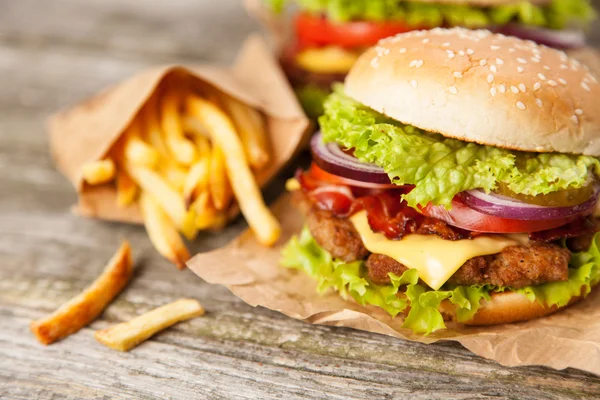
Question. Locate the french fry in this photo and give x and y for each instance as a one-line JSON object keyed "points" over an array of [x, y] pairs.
{"points": [[98, 172], [127, 335], [203, 145], [137, 152], [251, 128], [220, 188], [174, 174], [189, 228], [247, 192], [85, 307], [204, 212], [196, 180], [127, 190], [292, 185], [162, 232], [153, 129], [154, 185], [195, 127], [179, 146]]}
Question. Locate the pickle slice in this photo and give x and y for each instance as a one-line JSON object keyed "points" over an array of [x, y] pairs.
{"points": [[563, 198]]}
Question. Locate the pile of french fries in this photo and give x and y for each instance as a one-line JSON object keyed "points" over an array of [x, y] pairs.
{"points": [[187, 159]]}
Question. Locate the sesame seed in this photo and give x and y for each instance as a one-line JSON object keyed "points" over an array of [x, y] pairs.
{"points": [[541, 76], [490, 78], [514, 89], [576, 63], [593, 78], [451, 55], [575, 119], [563, 81], [375, 62], [564, 66], [537, 86], [563, 56], [403, 50], [502, 89], [521, 106], [425, 40], [494, 47], [414, 83], [547, 68], [453, 90], [493, 91], [483, 63], [520, 69], [579, 111], [522, 88], [470, 52], [539, 103], [458, 74], [419, 64], [499, 61], [446, 44], [552, 83], [511, 50], [493, 68], [585, 86], [461, 53], [522, 60]]}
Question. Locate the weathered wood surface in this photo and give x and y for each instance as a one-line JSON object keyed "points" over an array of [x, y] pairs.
{"points": [[54, 53]]}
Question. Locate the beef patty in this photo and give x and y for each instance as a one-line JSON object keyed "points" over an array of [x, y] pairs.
{"points": [[515, 266]]}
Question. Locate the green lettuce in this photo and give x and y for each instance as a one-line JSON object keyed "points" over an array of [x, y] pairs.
{"points": [[555, 15], [441, 167], [311, 98], [350, 280]]}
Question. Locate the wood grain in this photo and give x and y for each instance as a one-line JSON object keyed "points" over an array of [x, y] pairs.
{"points": [[53, 54]]}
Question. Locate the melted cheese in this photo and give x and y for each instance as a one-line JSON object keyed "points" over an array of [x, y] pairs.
{"points": [[436, 259], [327, 60]]}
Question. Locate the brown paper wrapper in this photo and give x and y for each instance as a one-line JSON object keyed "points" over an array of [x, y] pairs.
{"points": [[87, 132], [569, 338]]}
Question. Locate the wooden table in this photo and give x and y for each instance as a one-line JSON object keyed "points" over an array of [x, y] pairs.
{"points": [[55, 53]]}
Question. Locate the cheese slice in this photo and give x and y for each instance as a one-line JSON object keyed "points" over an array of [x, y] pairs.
{"points": [[327, 60], [436, 259]]}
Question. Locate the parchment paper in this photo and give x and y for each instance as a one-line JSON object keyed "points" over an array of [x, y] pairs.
{"points": [[569, 338], [87, 131]]}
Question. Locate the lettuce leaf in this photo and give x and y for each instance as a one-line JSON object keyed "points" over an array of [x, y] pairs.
{"points": [[555, 15], [441, 167], [350, 280], [311, 98]]}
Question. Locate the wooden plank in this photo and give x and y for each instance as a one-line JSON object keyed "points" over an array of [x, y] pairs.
{"points": [[69, 49]]}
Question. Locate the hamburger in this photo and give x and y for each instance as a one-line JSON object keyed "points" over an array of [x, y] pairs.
{"points": [[330, 35], [455, 178]]}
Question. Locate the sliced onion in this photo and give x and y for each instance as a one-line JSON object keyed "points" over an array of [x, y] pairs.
{"points": [[331, 158], [563, 39], [505, 207]]}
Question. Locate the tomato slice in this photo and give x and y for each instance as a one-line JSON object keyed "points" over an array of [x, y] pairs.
{"points": [[462, 216], [316, 31], [322, 175]]}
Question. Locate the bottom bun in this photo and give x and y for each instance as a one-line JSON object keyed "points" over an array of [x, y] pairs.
{"points": [[504, 308]]}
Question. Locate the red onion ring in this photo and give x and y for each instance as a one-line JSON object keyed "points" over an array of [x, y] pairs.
{"points": [[562, 39], [331, 158], [505, 207]]}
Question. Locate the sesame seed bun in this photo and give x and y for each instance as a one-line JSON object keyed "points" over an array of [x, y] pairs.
{"points": [[505, 308], [482, 87]]}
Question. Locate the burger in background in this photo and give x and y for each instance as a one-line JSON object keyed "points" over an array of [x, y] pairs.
{"points": [[455, 178], [329, 35]]}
